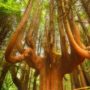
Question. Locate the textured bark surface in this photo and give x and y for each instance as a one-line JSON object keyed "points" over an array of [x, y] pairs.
{"points": [[51, 78]]}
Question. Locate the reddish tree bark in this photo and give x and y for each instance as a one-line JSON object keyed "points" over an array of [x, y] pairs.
{"points": [[52, 66]]}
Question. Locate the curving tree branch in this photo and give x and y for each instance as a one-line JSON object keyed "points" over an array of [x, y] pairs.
{"points": [[82, 52], [14, 38]]}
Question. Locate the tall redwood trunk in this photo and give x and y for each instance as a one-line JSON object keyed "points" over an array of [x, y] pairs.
{"points": [[51, 78]]}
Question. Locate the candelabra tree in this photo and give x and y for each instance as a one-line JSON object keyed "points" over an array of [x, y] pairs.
{"points": [[51, 66]]}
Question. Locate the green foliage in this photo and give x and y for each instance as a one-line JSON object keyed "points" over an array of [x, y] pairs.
{"points": [[12, 6], [8, 83]]}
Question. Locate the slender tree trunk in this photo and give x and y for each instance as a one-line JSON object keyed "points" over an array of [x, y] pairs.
{"points": [[86, 74], [35, 79], [85, 30], [82, 78], [76, 79], [5, 26], [86, 7], [16, 81], [4, 72], [72, 82]]}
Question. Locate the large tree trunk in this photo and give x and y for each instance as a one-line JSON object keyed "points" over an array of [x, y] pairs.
{"points": [[51, 78]]}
